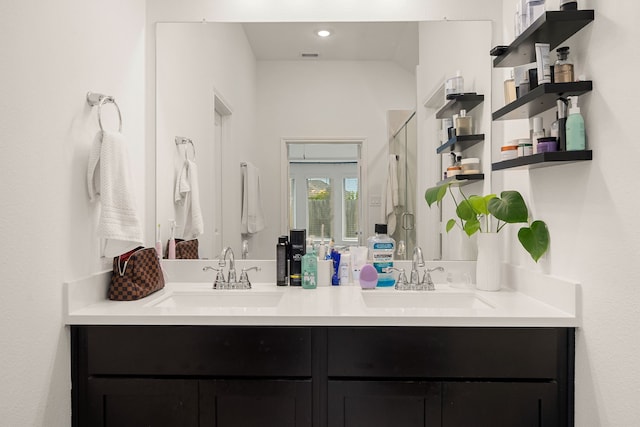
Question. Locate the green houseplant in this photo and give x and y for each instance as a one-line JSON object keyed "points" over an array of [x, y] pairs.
{"points": [[473, 214]]}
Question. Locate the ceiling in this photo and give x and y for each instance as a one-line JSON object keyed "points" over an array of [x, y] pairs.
{"points": [[360, 41]]}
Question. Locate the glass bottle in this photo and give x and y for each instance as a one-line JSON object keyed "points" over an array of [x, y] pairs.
{"points": [[563, 68], [464, 124], [509, 89]]}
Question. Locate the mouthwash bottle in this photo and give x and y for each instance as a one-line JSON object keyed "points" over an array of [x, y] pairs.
{"points": [[381, 250]]}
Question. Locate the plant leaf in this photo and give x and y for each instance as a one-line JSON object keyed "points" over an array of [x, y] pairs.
{"points": [[450, 224], [479, 203], [465, 211], [435, 194], [510, 207], [471, 226], [535, 239]]}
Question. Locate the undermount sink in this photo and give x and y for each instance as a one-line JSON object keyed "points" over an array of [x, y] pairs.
{"points": [[220, 298], [424, 299]]}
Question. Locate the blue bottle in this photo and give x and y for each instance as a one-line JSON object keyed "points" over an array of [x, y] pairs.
{"points": [[381, 250]]}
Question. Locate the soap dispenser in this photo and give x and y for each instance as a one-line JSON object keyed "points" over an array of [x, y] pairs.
{"points": [[575, 127], [558, 128]]}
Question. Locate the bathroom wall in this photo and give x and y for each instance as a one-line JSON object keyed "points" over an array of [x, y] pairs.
{"points": [[590, 210], [52, 54], [446, 47]]}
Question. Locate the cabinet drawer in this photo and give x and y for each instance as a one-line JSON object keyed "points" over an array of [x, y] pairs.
{"points": [[198, 351], [511, 353]]}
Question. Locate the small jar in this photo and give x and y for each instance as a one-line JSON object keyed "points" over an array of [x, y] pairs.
{"points": [[547, 144], [509, 152], [453, 171], [525, 147], [470, 165]]}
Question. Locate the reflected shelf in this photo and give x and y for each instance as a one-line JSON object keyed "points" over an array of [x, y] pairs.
{"points": [[462, 142], [462, 179]]}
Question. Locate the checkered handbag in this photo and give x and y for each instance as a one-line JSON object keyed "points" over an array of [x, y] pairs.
{"points": [[136, 274], [187, 249]]}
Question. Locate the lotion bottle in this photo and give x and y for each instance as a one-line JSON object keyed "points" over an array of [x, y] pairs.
{"points": [[575, 127]]}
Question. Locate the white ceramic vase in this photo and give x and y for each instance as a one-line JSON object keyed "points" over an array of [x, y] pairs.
{"points": [[489, 264]]}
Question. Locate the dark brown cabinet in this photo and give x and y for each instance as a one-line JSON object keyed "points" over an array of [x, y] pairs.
{"points": [[384, 403], [321, 376], [255, 403], [134, 402]]}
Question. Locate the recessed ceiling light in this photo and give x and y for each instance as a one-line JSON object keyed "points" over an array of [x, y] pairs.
{"points": [[323, 33]]}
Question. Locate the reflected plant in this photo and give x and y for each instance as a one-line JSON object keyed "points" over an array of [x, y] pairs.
{"points": [[510, 208]]}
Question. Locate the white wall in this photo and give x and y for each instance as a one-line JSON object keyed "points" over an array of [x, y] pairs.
{"points": [[324, 100], [446, 47], [195, 61], [590, 210], [52, 54]]}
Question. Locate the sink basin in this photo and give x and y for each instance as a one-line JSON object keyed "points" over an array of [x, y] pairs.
{"points": [[219, 299], [424, 299]]}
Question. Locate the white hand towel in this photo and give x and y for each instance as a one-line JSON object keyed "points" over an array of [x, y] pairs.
{"points": [[109, 180], [391, 196], [252, 218], [187, 200]]}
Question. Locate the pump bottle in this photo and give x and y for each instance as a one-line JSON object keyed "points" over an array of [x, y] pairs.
{"points": [[575, 127]]}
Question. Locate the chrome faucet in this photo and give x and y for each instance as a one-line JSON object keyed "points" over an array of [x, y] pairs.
{"points": [[222, 262], [427, 278], [418, 262]]}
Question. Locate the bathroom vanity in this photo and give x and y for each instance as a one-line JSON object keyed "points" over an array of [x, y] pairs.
{"points": [[321, 376], [328, 357]]}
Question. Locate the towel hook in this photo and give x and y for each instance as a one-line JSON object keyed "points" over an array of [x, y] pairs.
{"points": [[99, 99], [181, 140]]}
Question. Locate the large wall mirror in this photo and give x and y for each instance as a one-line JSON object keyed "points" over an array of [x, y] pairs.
{"points": [[241, 92]]}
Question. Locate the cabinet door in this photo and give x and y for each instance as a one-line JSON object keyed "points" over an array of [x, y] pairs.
{"points": [[255, 403], [384, 404], [487, 404], [141, 402]]}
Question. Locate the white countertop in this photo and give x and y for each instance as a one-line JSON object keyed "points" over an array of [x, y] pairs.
{"points": [[553, 304]]}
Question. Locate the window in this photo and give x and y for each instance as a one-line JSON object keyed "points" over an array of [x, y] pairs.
{"points": [[328, 197]]}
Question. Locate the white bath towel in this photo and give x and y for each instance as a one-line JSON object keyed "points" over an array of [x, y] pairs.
{"points": [[391, 197], [252, 218], [187, 200], [109, 180]]}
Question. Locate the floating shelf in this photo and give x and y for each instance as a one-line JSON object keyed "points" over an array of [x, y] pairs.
{"points": [[461, 180], [542, 160], [461, 141], [540, 99], [459, 102], [552, 27]]}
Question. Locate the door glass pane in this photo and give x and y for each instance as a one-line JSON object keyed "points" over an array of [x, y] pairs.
{"points": [[350, 209], [319, 207]]}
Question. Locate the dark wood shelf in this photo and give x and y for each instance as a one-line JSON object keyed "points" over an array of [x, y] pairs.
{"points": [[461, 141], [461, 180], [542, 160], [540, 99], [552, 27], [467, 102]]}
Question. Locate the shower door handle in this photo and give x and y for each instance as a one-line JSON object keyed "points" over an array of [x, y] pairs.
{"points": [[408, 221]]}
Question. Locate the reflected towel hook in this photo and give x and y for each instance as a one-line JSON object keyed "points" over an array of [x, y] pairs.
{"points": [[99, 99], [181, 140]]}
